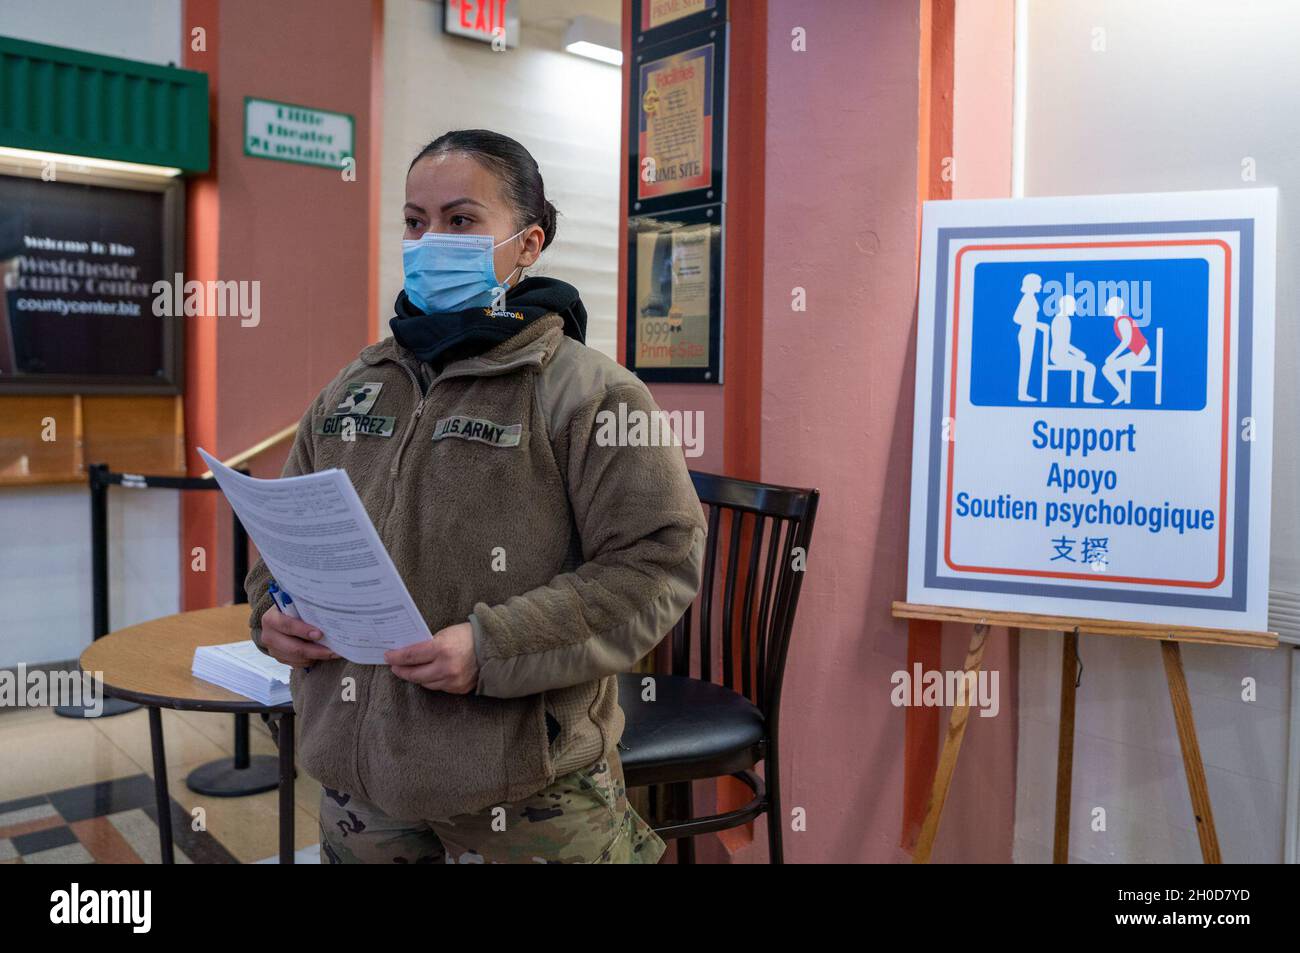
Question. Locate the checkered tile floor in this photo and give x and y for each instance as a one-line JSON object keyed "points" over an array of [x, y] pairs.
{"points": [[112, 822]]}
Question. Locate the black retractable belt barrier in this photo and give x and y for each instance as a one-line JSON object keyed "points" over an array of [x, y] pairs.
{"points": [[228, 777]]}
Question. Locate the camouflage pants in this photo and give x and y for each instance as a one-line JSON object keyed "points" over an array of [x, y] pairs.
{"points": [[582, 818]]}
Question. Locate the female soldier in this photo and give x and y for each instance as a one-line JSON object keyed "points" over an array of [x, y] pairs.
{"points": [[544, 556]]}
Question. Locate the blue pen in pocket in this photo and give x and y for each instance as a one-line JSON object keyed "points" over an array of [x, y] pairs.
{"points": [[284, 602]]}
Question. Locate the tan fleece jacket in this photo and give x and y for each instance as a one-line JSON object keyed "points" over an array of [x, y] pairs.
{"points": [[500, 506]]}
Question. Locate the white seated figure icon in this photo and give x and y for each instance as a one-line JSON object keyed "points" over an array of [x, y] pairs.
{"points": [[1130, 355], [1064, 356]]}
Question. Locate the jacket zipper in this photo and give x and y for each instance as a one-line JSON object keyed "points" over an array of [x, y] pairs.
{"points": [[410, 430], [397, 459], [419, 408], [392, 472]]}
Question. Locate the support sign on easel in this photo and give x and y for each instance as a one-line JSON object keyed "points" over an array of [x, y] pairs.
{"points": [[1093, 434]]}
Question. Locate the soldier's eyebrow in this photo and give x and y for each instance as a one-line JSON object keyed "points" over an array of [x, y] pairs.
{"points": [[463, 200]]}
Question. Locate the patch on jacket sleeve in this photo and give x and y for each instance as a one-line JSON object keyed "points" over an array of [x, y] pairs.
{"points": [[360, 397], [352, 415], [484, 431]]}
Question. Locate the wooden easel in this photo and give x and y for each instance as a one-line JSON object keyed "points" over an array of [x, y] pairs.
{"points": [[1169, 639]]}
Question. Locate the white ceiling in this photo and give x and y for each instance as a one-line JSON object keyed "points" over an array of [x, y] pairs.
{"points": [[556, 14]]}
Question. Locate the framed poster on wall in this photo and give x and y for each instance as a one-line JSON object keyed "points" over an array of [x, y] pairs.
{"points": [[677, 116], [79, 257], [1094, 407], [674, 324], [655, 20]]}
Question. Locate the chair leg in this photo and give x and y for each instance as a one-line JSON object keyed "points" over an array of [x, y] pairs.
{"points": [[775, 815], [682, 809]]}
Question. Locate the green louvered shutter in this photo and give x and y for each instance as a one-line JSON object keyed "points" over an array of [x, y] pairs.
{"points": [[59, 100]]}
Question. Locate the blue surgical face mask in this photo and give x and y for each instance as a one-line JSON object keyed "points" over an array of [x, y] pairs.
{"points": [[446, 272]]}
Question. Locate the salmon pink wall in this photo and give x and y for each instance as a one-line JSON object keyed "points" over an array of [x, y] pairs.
{"points": [[830, 151], [843, 182], [979, 819], [837, 400], [304, 233]]}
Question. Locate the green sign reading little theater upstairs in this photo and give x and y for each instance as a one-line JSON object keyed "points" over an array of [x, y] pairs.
{"points": [[290, 133]]}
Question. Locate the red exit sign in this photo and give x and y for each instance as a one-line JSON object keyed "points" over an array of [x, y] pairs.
{"points": [[485, 20]]}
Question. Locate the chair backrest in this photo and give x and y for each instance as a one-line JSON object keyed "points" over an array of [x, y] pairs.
{"points": [[757, 550], [100, 479]]}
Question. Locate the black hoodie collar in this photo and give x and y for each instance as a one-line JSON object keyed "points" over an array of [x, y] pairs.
{"points": [[453, 335]]}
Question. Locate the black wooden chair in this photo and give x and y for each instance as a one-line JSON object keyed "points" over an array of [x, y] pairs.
{"points": [[698, 727]]}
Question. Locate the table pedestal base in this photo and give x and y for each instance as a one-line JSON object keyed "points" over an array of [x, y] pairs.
{"points": [[111, 707], [224, 778], [239, 776]]}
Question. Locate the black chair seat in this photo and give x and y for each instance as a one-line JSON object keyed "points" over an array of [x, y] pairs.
{"points": [[697, 729], [693, 729]]}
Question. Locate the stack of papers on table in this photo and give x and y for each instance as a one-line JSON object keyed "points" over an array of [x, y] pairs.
{"points": [[242, 669]]}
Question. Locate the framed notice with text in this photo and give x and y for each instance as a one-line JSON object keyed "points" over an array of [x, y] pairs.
{"points": [[654, 20], [675, 158], [301, 134], [1094, 407], [674, 325]]}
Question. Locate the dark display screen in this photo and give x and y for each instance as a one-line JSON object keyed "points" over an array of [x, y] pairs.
{"points": [[79, 264]]}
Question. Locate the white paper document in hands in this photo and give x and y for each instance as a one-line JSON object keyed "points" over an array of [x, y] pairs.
{"points": [[317, 539]]}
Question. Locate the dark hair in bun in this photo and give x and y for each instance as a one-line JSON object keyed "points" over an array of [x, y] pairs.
{"points": [[511, 163]]}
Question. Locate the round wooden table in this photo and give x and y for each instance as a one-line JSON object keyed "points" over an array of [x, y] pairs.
{"points": [[150, 664]]}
